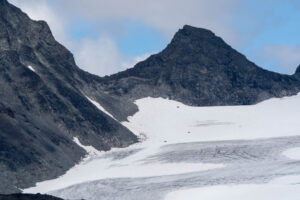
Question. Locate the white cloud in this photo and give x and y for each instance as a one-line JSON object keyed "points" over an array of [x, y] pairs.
{"points": [[99, 56], [165, 15], [102, 56]]}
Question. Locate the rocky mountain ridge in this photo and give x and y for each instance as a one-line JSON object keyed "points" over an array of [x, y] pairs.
{"points": [[198, 68]]}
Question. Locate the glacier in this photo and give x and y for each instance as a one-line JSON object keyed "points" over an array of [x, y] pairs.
{"points": [[187, 151]]}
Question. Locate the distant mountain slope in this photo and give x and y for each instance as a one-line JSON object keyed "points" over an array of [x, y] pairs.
{"points": [[28, 197], [199, 68], [43, 105]]}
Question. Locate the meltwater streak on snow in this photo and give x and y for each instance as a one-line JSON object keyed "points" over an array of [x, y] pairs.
{"points": [[99, 165], [239, 192], [246, 162], [292, 154], [167, 122], [287, 187], [102, 168], [100, 107], [31, 68]]}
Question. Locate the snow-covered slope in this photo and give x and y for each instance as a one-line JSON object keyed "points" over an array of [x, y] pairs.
{"points": [[170, 131], [166, 121]]}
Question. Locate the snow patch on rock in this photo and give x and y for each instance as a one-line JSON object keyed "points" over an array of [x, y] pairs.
{"points": [[31, 68], [100, 107]]}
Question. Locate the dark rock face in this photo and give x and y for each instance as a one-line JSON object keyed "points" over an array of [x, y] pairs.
{"points": [[199, 68], [41, 111], [27, 197]]}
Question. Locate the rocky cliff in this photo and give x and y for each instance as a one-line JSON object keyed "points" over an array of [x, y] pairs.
{"points": [[43, 105]]}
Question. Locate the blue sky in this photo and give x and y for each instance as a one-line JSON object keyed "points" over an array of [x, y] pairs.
{"points": [[279, 28], [107, 37]]}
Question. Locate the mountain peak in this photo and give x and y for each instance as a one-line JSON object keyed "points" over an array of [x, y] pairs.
{"points": [[297, 73], [199, 68], [190, 33], [298, 70], [195, 42], [188, 29]]}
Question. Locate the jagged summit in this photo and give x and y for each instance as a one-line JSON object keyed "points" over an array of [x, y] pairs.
{"points": [[190, 34], [198, 41], [189, 31]]}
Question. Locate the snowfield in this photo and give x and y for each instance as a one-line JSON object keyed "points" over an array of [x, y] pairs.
{"points": [[165, 120], [293, 153], [193, 153]]}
